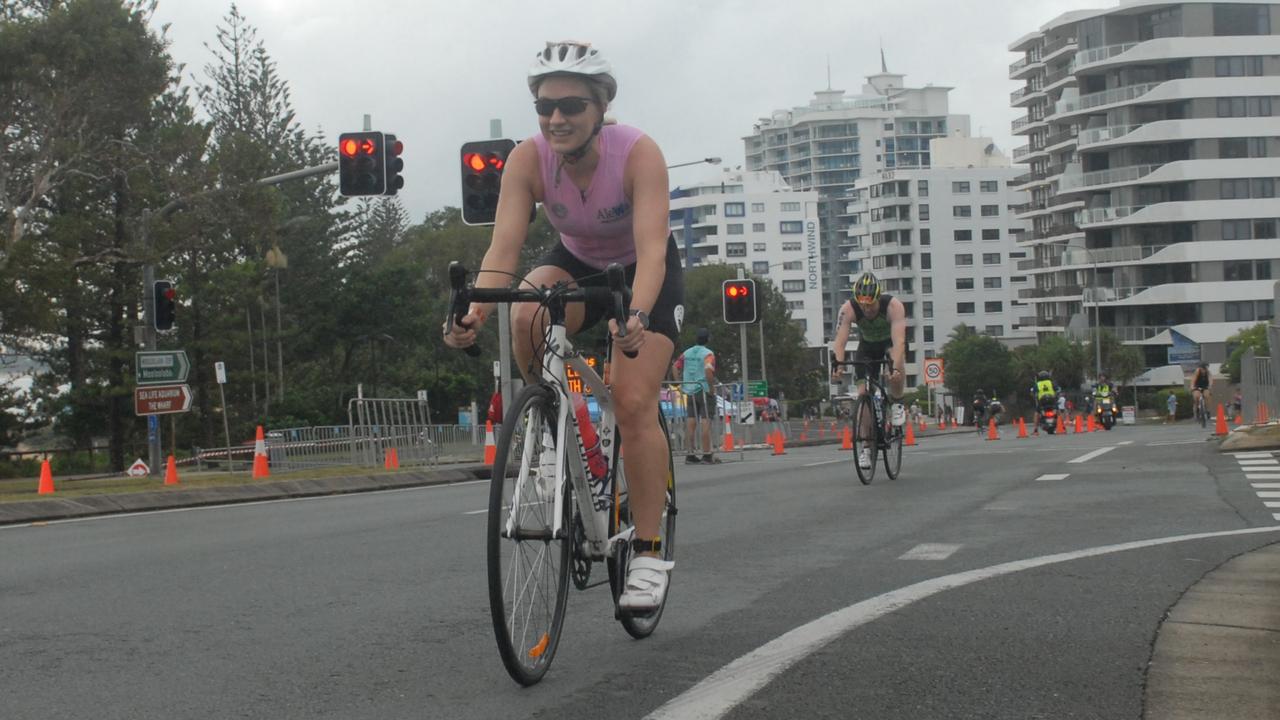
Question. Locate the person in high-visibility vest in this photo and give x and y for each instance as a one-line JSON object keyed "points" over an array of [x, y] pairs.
{"points": [[1045, 393]]}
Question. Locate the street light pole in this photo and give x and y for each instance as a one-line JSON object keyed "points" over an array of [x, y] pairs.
{"points": [[709, 161]]}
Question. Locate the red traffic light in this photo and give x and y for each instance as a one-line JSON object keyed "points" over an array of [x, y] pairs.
{"points": [[735, 291], [474, 161], [349, 147]]}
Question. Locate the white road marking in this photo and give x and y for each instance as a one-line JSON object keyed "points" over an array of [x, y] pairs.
{"points": [[929, 551], [825, 462], [1176, 442], [1053, 476], [1262, 476], [1266, 486], [721, 691], [1272, 504], [1125, 442], [1250, 455], [1089, 456], [1268, 493], [1257, 462]]}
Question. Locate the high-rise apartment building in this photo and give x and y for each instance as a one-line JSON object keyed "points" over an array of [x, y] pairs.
{"points": [[754, 220], [1154, 152], [827, 145], [943, 240]]}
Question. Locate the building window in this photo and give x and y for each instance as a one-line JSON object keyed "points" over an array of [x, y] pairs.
{"points": [[926, 285], [991, 233], [927, 309], [1238, 66], [1244, 107], [962, 211], [1016, 278], [735, 209], [793, 265], [994, 330], [757, 227], [757, 207], [760, 267], [990, 211], [925, 237], [964, 283], [989, 186], [791, 246], [928, 333], [791, 286], [790, 207], [963, 235], [964, 259], [1233, 148], [1246, 270], [991, 283], [790, 227], [926, 261], [1235, 230], [1241, 20], [922, 212], [760, 247], [993, 306], [733, 229], [990, 258], [795, 304], [964, 308], [735, 249], [922, 188], [960, 186]]}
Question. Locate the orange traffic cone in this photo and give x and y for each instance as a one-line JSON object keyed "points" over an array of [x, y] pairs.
{"points": [[778, 443], [992, 434], [1262, 413], [395, 458], [490, 449], [1062, 426], [728, 435], [846, 442], [1079, 426], [954, 425], [171, 472], [261, 466], [1239, 419], [1022, 428], [910, 440], [942, 424], [46, 479], [923, 425], [804, 434], [1220, 428], [1090, 426]]}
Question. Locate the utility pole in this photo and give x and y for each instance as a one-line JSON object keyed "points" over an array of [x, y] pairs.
{"points": [[742, 337]]}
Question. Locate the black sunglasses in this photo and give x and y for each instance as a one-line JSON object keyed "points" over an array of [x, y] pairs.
{"points": [[568, 106]]}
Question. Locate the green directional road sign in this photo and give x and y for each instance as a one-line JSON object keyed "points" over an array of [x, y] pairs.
{"points": [[162, 367], [759, 388]]}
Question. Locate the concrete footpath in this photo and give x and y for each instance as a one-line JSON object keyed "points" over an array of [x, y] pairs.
{"points": [[1216, 655]]}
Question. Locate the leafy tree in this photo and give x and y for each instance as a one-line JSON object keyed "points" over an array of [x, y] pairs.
{"points": [[1121, 362], [1065, 360], [1254, 338], [976, 361]]}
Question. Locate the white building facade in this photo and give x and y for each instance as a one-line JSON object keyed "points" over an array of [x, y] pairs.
{"points": [[827, 145], [944, 240], [1154, 153], [753, 220]]}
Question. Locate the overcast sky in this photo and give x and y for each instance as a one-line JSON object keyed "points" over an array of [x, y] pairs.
{"points": [[693, 74]]}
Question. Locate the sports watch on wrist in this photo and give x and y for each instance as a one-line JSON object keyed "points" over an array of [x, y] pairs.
{"points": [[643, 317]]}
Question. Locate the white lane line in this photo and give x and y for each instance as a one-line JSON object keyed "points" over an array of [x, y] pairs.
{"points": [[1250, 455], [1266, 486], [825, 462], [721, 691], [929, 551], [1053, 476], [1276, 515], [1262, 476], [1125, 442], [1257, 462], [1089, 456], [1176, 442], [1268, 493], [1272, 504]]}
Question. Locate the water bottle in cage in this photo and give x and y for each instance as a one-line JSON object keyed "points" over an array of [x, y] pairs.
{"points": [[878, 404], [597, 463]]}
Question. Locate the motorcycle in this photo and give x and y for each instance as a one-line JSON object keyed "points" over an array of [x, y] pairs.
{"points": [[1049, 420], [1106, 411]]}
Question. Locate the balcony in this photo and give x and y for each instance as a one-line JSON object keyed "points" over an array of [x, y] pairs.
{"points": [[1021, 152], [1067, 291], [1104, 134], [1115, 95], [1138, 333], [1045, 323], [1095, 55], [1029, 207], [1018, 94], [1061, 137], [1053, 49], [1094, 216], [1056, 230]]}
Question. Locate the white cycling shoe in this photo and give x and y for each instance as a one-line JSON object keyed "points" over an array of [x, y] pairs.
{"points": [[898, 415], [646, 583], [864, 458]]}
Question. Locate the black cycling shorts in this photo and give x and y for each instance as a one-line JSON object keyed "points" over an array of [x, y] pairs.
{"points": [[697, 405], [868, 350], [670, 302]]}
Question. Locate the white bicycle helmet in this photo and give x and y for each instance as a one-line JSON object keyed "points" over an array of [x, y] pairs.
{"points": [[572, 58]]}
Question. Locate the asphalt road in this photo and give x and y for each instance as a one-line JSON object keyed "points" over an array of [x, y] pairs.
{"points": [[971, 587]]}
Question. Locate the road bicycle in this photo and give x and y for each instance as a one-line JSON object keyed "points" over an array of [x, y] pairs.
{"points": [[558, 491], [1201, 413], [883, 438]]}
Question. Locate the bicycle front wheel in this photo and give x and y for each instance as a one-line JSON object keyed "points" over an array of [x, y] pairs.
{"points": [[864, 420], [528, 560]]}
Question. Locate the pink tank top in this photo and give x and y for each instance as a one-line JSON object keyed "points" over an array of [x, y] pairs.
{"points": [[595, 224]]}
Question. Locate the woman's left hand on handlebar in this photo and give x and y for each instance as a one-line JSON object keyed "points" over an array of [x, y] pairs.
{"points": [[634, 339], [463, 335]]}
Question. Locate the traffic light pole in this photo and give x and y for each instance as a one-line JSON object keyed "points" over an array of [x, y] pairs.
{"points": [[746, 391]]}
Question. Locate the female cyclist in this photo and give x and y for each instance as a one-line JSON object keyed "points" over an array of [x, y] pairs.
{"points": [[604, 188]]}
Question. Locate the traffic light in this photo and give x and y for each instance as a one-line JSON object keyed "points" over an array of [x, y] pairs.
{"points": [[362, 164], [165, 304], [482, 164], [394, 163], [739, 298]]}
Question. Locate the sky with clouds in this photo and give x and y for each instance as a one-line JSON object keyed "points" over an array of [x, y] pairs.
{"points": [[693, 74]]}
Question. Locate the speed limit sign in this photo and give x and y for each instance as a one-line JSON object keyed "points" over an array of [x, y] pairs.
{"points": [[933, 374]]}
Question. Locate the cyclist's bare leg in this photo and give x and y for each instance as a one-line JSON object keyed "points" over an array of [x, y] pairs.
{"points": [[691, 432], [645, 446], [529, 322], [706, 432]]}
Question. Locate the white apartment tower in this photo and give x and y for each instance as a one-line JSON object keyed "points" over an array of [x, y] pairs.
{"points": [[1154, 152], [752, 219], [827, 145], [944, 240]]}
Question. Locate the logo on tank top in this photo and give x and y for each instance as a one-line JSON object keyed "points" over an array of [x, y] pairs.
{"points": [[615, 213], [559, 210]]}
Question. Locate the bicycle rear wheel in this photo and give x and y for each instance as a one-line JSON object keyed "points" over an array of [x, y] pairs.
{"points": [[640, 625], [892, 449], [864, 425], [528, 562]]}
